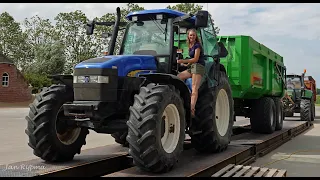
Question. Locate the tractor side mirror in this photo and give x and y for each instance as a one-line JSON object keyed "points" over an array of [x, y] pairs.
{"points": [[90, 27], [223, 52], [201, 19]]}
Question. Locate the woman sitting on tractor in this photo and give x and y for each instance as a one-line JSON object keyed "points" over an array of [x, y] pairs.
{"points": [[195, 65]]}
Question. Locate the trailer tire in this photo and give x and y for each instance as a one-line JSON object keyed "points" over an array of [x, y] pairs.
{"points": [[148, 114], [120, 138], [211, 140], [263, 119], [305, 110], [279, 113], [43, 126]]}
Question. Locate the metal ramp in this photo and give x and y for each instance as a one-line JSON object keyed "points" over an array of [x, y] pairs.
{"points": [[233, 170]]}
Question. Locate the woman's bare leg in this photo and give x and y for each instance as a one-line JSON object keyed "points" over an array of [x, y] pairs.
{"points": [[196, 80], [184, 75]]}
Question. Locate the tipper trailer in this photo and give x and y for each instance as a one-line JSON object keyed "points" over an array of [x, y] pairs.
{"points": [[257, 79]]}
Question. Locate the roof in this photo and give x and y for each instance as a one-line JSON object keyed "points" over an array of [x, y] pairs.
{"points": [[5, 59], [168, 12]]}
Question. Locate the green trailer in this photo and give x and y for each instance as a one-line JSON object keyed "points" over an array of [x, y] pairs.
{"points": [[257, 78]]}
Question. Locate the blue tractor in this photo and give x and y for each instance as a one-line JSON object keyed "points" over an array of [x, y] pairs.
{"points": [[136, 96]]}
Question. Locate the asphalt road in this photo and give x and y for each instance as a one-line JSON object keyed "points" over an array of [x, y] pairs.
{"points": [[300, 156], [14, 147]]}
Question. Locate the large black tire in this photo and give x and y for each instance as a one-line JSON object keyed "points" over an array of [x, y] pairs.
{"points": [[120, 138], [305, 110], [145, 128], [313, 110], [42, 125], [210, 140], [263, 117], [279, 113]]}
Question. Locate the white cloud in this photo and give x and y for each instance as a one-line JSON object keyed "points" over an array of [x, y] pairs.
{"points": [[292, 30]]}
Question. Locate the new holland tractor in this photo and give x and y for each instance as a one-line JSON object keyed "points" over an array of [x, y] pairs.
{"points": [[300, 98], [136, 95]]}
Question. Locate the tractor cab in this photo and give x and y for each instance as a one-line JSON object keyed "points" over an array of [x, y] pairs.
{"points": [[161, 36], [294, 83]]}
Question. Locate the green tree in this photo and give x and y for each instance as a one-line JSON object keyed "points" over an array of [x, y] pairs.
{"points": [[12, 39], [78, 46], [191, 8], [46, 50], [130, 7]]}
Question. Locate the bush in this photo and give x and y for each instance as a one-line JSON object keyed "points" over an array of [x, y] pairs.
{"points": [[37, 81]]}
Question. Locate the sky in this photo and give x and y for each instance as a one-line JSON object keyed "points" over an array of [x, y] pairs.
{"points": [[291, 30]]}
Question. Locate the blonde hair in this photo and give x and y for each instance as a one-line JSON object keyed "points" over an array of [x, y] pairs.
{"points": [[197, 37]]}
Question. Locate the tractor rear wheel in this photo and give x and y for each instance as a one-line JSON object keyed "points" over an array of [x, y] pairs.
{"points": [[313, 110], [214, 112], [156, 128], [50, 137], [306, 110], [263, 119]]}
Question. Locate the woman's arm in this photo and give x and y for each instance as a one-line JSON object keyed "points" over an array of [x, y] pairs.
{"points": [[192, 60]]}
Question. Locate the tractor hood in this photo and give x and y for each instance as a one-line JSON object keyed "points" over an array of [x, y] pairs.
{"points": [[124, 63]]}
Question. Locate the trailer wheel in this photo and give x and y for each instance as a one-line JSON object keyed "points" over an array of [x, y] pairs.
{"points": [[305, 110], [156, 128], [215, 117], [50, 137], [120, 138], [263, 119], [279, 113]]}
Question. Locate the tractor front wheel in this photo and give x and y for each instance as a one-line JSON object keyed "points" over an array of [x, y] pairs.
{"points": [[306, 110], [156, 128], [50, 136]]}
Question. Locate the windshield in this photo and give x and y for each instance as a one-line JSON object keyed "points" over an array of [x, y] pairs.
{"points": [[293, 83], [147, 35]]}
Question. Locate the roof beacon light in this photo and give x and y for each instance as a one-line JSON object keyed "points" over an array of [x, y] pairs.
{"points": [[160, 16], [134, 18]]}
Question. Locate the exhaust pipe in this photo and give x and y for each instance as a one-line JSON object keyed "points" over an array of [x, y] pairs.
{"points": [[115, 32]]}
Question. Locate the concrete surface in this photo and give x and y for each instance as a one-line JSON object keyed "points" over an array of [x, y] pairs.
{"points": [[13, 140], [300, 156]]}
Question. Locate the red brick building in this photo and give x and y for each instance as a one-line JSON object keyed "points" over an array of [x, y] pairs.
{"points": [[13, 87]]}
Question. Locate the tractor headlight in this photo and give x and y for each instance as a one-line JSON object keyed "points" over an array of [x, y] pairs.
{"points": [[91, 79], [134, 18]]}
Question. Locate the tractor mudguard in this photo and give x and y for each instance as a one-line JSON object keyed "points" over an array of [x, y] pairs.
{"points": [[63, 79], [307, 94], [174, 80]]}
